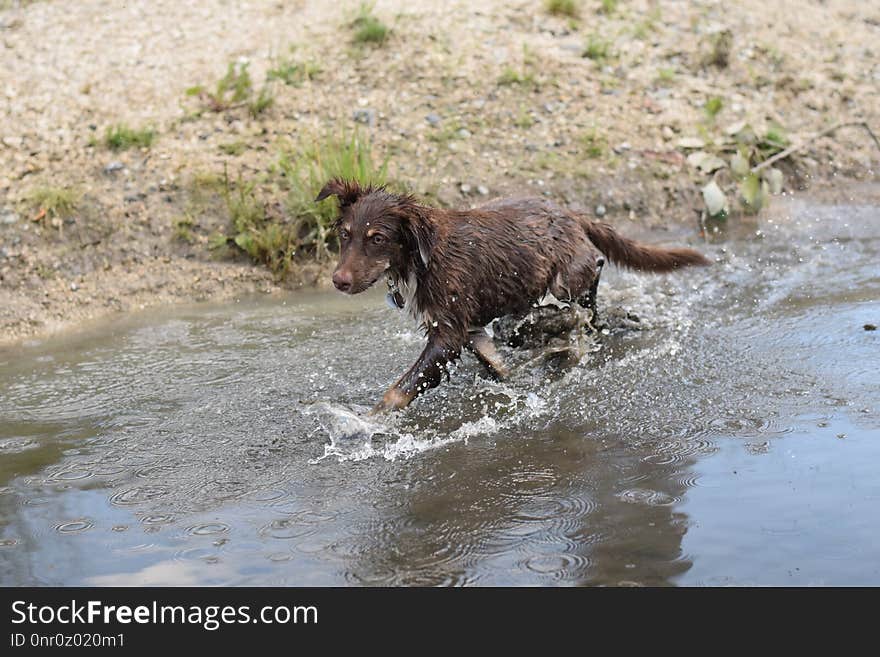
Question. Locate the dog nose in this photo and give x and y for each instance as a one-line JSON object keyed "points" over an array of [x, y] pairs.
{"points": [[342, 280]]}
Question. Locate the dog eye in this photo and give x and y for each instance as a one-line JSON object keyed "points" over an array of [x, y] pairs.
{"points": [[378, 239], [344, 235]]}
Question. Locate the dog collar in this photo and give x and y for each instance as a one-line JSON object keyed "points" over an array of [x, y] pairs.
{"points": [[394, 298]]}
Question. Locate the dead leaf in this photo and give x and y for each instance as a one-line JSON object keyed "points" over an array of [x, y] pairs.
{"points": [[715, 200], [705, 162], [739, 165], [774, 180]]}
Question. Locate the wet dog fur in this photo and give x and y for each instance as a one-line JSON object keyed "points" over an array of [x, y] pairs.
{"points": [[455, 271]]}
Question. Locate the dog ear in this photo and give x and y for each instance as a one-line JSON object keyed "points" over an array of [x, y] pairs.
{"points": [[420, 234], [347, 191]]}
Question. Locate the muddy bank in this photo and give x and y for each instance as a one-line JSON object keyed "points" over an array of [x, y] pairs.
{"points": [[624, 114]]}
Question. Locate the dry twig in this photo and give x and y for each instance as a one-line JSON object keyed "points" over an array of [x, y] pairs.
{"points": [[793, 149]]}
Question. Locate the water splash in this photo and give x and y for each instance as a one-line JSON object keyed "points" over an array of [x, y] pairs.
{"points": [[459, 413]]}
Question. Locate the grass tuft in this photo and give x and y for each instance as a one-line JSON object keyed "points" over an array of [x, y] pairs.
{"points": [[523, 119], [597, 48], [262, 102], [308, 168], [594, 144], [510, 77], [524, 77], [720, 46], [568, 8], [233, 148], [368, 28], [273, 233], [183, 229], [233, 89], [665, 75], [713, 106], [53, 202], [121, 137], [293, 73], [773, 141], [236, 89]]}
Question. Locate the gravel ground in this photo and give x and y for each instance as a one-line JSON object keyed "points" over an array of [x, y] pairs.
{"points": [[467, 100]]}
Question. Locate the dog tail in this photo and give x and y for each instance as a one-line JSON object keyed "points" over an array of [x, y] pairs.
{"points": [[640, 257]]}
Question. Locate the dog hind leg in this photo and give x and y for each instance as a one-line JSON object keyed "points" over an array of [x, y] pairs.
{"points": [[484, 349], [578, 280], [588, 299]]}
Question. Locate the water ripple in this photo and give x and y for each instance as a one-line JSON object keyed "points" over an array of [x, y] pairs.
{"points": [[559, 567], [286, 529], [138, 495], [208, 529], [647, 497], [72, 475], [74, 526]]}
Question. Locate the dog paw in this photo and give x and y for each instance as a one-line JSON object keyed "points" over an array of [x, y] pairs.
{"points": [[394, 400]]}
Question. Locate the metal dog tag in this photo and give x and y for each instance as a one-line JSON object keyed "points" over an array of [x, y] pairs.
{"points": [[394, 300]]}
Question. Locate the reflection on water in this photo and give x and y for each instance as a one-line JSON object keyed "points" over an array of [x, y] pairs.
{"points": [[729, 437]]}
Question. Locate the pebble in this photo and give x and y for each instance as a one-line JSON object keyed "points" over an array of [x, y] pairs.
{"points": [[870, 327], [8, 218], [464, 133], [366, 116], [113, 167], [74, 287], [433, 119], [465, 188], [690, 143], [600, 210], [482, 190]]}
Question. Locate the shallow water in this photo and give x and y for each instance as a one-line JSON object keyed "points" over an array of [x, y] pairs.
{"points": [[733, 439]]}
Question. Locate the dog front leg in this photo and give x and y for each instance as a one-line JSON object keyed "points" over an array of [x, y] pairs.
{"points": [[426, 373]]}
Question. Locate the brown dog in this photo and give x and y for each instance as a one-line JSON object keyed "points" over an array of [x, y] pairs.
{"points": [[457, 270]]}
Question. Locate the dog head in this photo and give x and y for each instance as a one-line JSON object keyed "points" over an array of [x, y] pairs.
{"points": [[378, 232]]}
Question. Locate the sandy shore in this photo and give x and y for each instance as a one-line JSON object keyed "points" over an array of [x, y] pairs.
{"points": [[466, 100]]}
